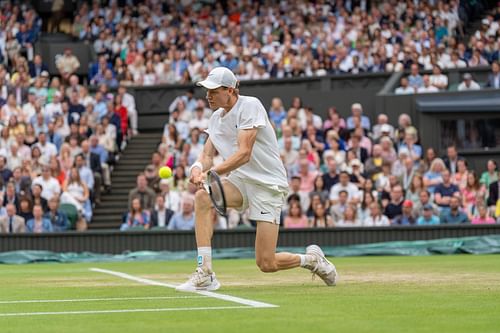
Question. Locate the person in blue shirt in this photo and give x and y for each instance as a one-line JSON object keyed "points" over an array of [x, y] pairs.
{"points": [[428, 217], [86, 174], [277, 112], [58, 218], [98, 149], [53, 136], [454, 215], [38, 223], [415, 79], [406, 218], [445, 191], [183, 220], [100, 106], [229, 61], [357, 111]]}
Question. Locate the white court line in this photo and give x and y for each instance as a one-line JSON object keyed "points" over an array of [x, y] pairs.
{"points": [[223, 297], [21, 314], [96, 299]]}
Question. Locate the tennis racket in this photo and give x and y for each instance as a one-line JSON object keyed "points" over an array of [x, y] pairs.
{"points": [[216, 192]]}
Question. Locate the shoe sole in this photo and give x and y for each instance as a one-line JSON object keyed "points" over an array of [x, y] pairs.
{"points": [[215, 285], [316, 250]]}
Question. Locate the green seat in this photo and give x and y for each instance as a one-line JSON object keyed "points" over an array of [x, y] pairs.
{"points": [[72, 214], [158, 228], [136, 228]]}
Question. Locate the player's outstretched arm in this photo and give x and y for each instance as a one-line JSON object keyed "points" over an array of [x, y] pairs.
{"points": [[246, 140], [205, 162]]}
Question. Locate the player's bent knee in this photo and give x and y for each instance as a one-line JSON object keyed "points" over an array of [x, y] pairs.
{"points": [[202, 199], [267, 266]]}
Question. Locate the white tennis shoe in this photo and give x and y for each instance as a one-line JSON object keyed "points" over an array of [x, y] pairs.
{"points": [[200, 280], [321, 266]]}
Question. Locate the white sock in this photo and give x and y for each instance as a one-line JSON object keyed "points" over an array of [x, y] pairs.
{"points": [[205, 257], [305, 260]]}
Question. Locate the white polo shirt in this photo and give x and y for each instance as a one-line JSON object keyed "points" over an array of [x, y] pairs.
{"points": [[265, 166]]}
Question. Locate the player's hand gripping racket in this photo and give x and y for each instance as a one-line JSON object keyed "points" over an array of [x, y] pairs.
{"points": [[216, 192]]}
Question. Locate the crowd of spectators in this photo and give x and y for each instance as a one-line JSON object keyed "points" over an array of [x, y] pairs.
{"points": [[414, 82], [342, 172], [161, 42], [58, 143]]}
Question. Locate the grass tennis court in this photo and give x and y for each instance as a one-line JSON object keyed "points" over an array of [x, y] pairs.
{"points": [[375, 294]]}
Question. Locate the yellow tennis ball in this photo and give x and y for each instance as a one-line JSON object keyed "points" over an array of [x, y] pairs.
{"points": [[165, 172]]}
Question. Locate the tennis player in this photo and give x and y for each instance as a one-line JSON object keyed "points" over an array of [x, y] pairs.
{"points": [[240, 131]]}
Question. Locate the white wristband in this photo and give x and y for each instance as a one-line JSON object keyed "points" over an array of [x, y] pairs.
{"points": [[196, 164]]}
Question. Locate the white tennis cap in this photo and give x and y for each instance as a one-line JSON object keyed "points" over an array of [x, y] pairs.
{"points": [[219, 77]]}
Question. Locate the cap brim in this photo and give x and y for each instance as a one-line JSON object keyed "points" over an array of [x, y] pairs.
{"points": [[208, 84]]}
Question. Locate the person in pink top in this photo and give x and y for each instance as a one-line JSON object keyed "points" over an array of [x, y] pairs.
{"points": [[483, 217], [307, 176], [295, 218], [472, 189]]}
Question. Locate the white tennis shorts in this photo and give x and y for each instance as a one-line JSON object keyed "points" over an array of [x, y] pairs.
{"points": [[264, 202]]}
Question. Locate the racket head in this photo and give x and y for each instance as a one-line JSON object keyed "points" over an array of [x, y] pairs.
{"points": [[216, 192]]}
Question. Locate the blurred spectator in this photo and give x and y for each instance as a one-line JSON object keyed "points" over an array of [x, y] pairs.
{"points": [[320, 219], [143, 192], [296, 218], [414, 79], [461, 174], [344, 184], [50, 186], [357, 112], [184, 220], [483, 217], [38, 223], [382, 128], [58, 218], [406, 217], [137, 217], [295, 185], [25, 208], [77, 193], [330, 177], [454, 215], [427, 87], [95, 162], [5, 172], [425, 199], [490, 175], [427, 217], [433, 177], [494, 76], [376, 218], [438, 79], [277, 112], [90, 150], [128, 101], [444, 192], [451, 159], [395, 206], [161, 215], [307, 176], [468, 83], [10, 196], [67, 64], [349, 218], [364, 211], [37, 66], [12, 223], [471, 191], [338, 208]]}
